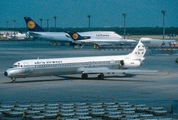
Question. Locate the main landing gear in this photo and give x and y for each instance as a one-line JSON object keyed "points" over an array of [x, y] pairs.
{"points": [[84, 76], [13, 80], [100, 76]]}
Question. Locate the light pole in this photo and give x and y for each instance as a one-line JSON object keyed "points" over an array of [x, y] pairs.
{"points": [[89, 21], [163, 12], [55, 22], [124, 14], [14, 26], [14, 23], [7, 25], [47, 24], [41, 22]]}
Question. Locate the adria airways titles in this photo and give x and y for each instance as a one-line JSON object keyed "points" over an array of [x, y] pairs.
{"points": [[84, 65]]}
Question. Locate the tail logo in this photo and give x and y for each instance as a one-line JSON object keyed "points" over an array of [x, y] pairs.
{"points": [[75, 36], [31, 24], [141, 49]]}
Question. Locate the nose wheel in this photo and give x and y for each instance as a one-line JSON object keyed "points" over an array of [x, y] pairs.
{"points": [[13, 80]]}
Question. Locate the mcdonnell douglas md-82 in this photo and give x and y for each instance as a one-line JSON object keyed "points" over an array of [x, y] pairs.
{"points": [[84, 65], [36, 31]]}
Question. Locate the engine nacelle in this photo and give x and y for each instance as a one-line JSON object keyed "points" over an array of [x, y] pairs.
{"points": [[14, 72], [124, 64]]}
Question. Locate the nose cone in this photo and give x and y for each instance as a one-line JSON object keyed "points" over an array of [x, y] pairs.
{"points": [[5, 73]]}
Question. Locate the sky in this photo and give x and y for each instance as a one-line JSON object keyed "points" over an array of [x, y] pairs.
{"points": [[104, 13]]}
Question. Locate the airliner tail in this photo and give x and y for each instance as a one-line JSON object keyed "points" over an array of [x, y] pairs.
{"points": [[75, 36], [139, 50], [32, 25]]}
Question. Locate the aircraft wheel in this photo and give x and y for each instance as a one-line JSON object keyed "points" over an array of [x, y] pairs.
{"points": [[101, 76], [176, 61], [55, 44], [84, 76], [13, 80]]}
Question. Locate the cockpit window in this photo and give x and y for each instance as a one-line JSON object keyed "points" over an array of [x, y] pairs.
{"points": [[15, 65]]}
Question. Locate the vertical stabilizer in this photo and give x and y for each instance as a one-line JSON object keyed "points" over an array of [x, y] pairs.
{"points": [[75, 36], [32, 25], [139, 51]]}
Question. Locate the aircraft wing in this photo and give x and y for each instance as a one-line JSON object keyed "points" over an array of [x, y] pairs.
{"points": [[34, 34], [106, 70], [114, 43]]}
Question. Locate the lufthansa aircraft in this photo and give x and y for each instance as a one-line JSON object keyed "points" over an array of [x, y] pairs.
{"points": [[84, 65], [36, 31], [82, 40]]}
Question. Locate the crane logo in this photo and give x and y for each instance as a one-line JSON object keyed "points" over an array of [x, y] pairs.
{"points": [[75, 36], [31, 24]]}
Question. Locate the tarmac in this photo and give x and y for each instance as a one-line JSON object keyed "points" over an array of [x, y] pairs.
{"points": [[157, 89]]}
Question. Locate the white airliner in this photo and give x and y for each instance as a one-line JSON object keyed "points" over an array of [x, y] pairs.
{"points": [[158, 42], [19, 36], [84, 65], [11, 35], [36, 31]]}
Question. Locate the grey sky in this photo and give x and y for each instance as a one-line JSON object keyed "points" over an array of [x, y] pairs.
{"points": [[73, 13]]}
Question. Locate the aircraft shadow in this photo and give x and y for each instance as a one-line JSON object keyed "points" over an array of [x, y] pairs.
{"points": [[34, 81], [125, 77]]}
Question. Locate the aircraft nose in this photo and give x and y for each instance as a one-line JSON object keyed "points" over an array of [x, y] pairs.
{"points": [[5, 73]]}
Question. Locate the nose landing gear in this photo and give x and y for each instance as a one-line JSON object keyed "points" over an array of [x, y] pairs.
{"points": [[13, 80]]}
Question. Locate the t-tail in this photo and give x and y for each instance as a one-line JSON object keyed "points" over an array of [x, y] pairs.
{"points": [[32, 25], [139, 51], [75, 36]]}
